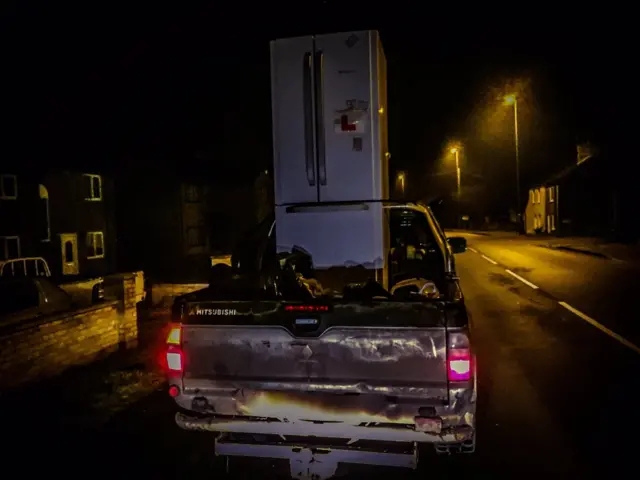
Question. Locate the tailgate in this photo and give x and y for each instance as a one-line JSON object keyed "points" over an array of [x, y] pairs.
{"points": [[385, 349]]}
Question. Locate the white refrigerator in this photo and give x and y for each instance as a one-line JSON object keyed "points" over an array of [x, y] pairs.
{"points": [[329, 107]]}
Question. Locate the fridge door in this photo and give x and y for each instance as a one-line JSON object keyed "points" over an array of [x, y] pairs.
{"points": [[293, 115], [350, 160]]}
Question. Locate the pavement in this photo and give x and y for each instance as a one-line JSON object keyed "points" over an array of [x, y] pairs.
{"points": [[556, 384]]}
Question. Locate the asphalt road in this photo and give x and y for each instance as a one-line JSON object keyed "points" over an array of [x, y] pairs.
{"points": [[557, 394]]}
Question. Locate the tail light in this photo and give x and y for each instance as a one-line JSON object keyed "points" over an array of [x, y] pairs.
{"points": [[174, 355], [459, 361]]}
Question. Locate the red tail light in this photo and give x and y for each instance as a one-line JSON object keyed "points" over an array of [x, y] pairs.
{"points": [[459, 365], [459, 361], [174, 354]]}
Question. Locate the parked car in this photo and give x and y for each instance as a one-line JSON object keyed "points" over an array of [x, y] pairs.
{"points": [[37, 267], [23, 298]]}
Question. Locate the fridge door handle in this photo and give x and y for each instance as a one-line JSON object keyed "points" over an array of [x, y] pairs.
{"points": [[307, 102], [320, 133]]}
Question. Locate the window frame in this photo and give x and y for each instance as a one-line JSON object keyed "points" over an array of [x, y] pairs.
{"points": [[93, 236], [193, 188], [3, 195], [93, 197], [4, 239], [203, 238]]}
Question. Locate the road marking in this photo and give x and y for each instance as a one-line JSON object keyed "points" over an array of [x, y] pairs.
{"points": [[601, 327], [489, 259], [523, 280], [473, 250]]}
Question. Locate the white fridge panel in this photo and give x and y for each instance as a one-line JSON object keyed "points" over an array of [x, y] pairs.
{"points": [[350, 107], [336, 237], [294, 157]]}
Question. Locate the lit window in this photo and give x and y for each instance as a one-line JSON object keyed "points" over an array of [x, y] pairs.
{"points": [[8, 187], [95, 245], [93, 187], [531, 199], [538, 195], [10, 247], [551, 194]]}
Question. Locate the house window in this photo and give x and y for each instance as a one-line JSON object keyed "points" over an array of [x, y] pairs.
{"points": [[531, 199], [95, 245], [538, 195], [8, 187], [192, 193], [195, 237], [10, 247], [552, 196], [553, 222], [93, 186]]}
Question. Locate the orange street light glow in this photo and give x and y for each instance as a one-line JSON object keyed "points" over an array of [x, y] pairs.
{"points": [[510, 99]]}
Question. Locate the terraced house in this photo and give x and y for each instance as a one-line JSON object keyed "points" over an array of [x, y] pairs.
{"points": [[68, 218], [587, 198]]}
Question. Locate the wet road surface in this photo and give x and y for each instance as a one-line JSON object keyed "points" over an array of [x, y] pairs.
{"points": [[556, 394]]}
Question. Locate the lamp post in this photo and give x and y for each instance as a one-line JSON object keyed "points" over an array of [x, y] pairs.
{"points": [[456, 151], [513, 100], [400, 182]]}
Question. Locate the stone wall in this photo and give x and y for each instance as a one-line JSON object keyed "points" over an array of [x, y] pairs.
{"points": [[47, 346], [162, 294]]}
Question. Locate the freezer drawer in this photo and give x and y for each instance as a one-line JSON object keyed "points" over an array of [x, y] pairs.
{"points": [[337, 236]]}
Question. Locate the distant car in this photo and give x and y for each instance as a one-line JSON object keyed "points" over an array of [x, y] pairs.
{"points": [[23, 298]]}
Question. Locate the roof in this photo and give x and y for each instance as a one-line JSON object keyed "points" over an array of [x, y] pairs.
{"points": [[562, 174]]}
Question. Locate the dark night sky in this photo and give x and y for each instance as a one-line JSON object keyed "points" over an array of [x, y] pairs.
{"points": [[154, 86]]}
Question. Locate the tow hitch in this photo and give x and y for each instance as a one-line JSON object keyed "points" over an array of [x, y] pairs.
{"points": [[317, 463]]}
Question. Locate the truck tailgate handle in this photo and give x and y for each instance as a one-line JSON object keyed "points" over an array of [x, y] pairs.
{"points": [[307, 102], [319, 103]]}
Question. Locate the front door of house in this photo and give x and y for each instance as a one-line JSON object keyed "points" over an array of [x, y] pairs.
{"points": [[69, 251]]}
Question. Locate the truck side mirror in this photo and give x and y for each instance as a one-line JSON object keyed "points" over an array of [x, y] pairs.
{"points": [[458, 244]]}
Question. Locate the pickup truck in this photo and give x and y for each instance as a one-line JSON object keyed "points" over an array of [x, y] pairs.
{"points": [[309, 367]]}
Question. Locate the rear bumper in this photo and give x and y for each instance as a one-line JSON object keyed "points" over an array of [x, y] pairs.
{"points": [[386, 433], [319, 463]]}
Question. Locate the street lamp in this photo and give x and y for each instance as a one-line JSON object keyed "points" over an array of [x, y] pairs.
{"points": [[400, 179], [456, 151], [511, 99]]}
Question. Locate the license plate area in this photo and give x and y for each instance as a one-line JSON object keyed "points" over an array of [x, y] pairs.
{"points": [[428, 424]]}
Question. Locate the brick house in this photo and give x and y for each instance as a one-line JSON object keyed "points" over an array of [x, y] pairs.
{"points": [[164, 227], [541, 214], [171, 224], [586, 198], [66, 217]]}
